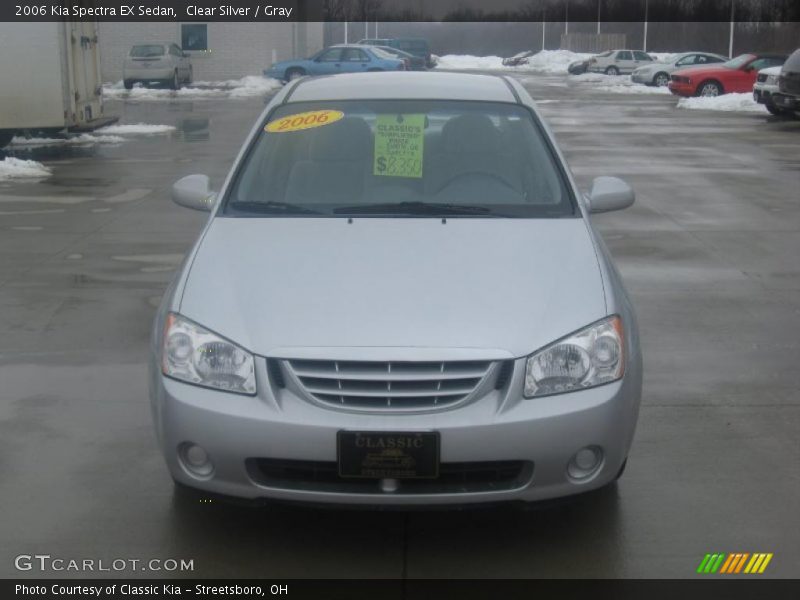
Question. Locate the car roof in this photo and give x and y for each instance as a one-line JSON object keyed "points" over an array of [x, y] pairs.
{"points": [[404, 85]]}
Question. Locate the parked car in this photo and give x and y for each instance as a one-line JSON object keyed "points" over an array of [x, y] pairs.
{"points": [[163, 63], [617, 62], [325, 340], [342, 58], [657, 73], [578, 67], [518, 59], [765, 86], [416, 46], [413, 63], [736, 75], [787, 97]]}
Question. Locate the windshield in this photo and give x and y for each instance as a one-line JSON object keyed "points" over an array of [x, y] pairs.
{"points": [[148, 51], [382, 157], [737, 62]]}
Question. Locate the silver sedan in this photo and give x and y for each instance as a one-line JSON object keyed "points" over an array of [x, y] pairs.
{"points": [[658, 73], [398, 299]]}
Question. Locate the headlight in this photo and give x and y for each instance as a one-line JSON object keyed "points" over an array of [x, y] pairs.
{"points": [[592, 356], [195, 355]]}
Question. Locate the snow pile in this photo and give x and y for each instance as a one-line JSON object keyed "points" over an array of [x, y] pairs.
{"points": [[546, 61], [617, 84], [12, 168], [742, 102], [84, 139], [136, 129], [246, 87], [663, 56], [554, 61], [459, 62]]}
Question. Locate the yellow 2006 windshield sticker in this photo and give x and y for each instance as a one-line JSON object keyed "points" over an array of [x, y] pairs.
{"points": [[306, 120], [399, 141]]}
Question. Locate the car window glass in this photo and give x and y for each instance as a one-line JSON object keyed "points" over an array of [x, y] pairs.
{"points": [[624, 55], [686, 60], [147, 51], [324, 155], [353, 55], [332, 55], [642, 56]]}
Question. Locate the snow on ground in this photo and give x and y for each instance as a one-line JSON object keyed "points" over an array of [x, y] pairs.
{"points": [[84, 139], [727, 102], [617, 84], [136, 129], [15, 168], [246, 87], [546, 61]]}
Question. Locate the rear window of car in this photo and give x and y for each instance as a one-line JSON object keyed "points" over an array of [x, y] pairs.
{"points": [[349, 157], [147, 51]]}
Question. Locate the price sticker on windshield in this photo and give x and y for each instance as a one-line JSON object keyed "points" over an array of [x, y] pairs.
{"points": [[399, 142], [306, 120]]}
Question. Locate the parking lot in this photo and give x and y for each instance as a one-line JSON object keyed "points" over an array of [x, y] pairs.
{"points": [[709, 253]]}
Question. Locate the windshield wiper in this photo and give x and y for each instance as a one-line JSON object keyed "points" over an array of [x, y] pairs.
{"points": [[285, 208], [415, 208]]}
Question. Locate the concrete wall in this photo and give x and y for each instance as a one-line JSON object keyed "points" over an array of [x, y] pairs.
{"points": [[235, 49]]}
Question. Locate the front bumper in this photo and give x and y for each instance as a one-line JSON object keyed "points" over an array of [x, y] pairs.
{"points": [[762, 93], [645, 78], [543, 434], [148, 74], [785, 101], [681, 89]]}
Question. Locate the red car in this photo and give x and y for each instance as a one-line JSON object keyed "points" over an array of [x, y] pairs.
{"points": [[736, 75]]}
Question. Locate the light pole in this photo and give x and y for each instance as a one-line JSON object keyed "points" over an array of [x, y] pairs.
{"points": [[645, 25], [730, 39]]}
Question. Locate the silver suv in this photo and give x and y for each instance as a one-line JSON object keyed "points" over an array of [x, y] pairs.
{"points": [[164, 63]]}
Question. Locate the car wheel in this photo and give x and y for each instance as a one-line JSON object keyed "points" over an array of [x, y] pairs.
{"points": [[128, 83], [175, 84], [612, 70], [709, 89], [293, 74], [661, 79], [621, 469], [190, 76]]}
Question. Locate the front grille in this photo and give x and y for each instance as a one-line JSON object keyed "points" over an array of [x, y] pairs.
{"points": [[454, 478], [378, 385], [789, 83]]}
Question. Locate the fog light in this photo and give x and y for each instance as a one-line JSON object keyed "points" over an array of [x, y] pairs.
{"points": [[195, 459], [585, 463]]}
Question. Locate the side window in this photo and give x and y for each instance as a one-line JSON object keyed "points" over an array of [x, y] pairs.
{"points": [[713, 59], [700, 59], [760, 63], [624, 55], [332, 55], [354, 55], [687, 60], [642, 56], [194, 36], [175, 51]]}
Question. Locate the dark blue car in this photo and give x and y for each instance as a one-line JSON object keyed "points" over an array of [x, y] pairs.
{"points": [[343, 58]]}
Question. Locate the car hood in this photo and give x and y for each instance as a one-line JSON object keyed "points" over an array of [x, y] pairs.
{"points": [[771, 71], [703, 70], [298, 287]]}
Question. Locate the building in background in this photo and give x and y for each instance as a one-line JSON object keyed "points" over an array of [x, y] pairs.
{"points": [[218, 50]]}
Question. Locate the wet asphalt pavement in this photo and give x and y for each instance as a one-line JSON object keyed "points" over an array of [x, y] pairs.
{"points": [[709, 254]]}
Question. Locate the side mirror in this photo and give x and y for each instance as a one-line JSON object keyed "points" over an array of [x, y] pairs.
{"points": [[193, 191], [609, 193]]}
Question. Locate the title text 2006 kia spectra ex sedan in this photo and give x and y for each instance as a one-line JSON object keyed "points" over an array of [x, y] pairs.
{"points": [[398, 299]]}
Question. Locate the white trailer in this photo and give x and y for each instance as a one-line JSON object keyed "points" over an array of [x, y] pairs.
{"points": [[50, 74]]}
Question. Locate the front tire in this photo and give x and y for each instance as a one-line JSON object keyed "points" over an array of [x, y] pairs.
{"points": [[774, 110], [709, 89], [661, 80], [293, 74], [612, 70], [190, 76], [175, 84]]}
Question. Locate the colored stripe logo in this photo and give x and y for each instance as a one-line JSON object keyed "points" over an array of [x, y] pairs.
{"points": [[735, 563]]}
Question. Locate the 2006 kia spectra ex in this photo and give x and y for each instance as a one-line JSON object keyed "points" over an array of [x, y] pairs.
{"points": [[398, 299]]}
